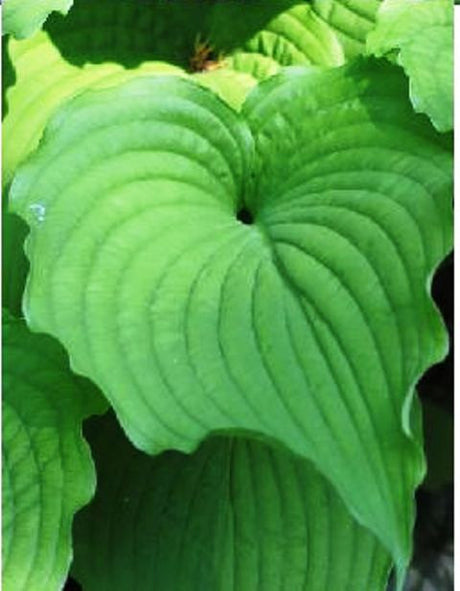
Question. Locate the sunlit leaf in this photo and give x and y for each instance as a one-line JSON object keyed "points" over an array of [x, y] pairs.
{"points": [[263, 37], [22, 18], [49, 68], [421, 31], [94, 46], [309, 326], [352, 20]]}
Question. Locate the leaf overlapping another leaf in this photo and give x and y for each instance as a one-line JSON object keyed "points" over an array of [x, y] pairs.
{"points": [[309, 327], [47, 471], [352, 20], [236, 514], [267, 36], [422, 35], [94, 46], [86, 49]]}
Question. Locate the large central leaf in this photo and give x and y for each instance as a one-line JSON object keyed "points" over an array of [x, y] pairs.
{"points": [[310, 326]]}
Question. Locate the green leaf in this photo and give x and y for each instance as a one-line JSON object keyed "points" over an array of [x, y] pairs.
{"points": [[264, 36], [89, 48], [310, 326], [231, 85], [47, 470], [422, 34], [237, 514], [352, 20], [22, 18], [45, 78]]}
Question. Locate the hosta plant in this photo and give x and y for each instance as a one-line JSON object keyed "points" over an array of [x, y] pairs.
{"points": [[231, 214]]}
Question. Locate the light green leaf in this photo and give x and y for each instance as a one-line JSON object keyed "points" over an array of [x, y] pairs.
{"points": [[422, 33], [311, 326], [231, 85], [352, 20], [45, 78], [22, 18], [47, 470], [94, 46], [264, 36], [237, 514]]}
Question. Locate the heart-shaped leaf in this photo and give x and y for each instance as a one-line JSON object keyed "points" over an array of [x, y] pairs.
{"points": [[22, 18], [309, 326], [236, 514], [422, 33], [47, 471]]}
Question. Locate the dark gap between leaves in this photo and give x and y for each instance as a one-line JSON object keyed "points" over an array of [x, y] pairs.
{"points": [[245, 216], [72, 585]]}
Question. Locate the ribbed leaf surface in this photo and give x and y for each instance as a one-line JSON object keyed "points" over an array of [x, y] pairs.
{"points": [[265, 36], [235, 515], [46, 467], [311, 326], [94, 46], [423, 35], [52, 66], [352, 20]]}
